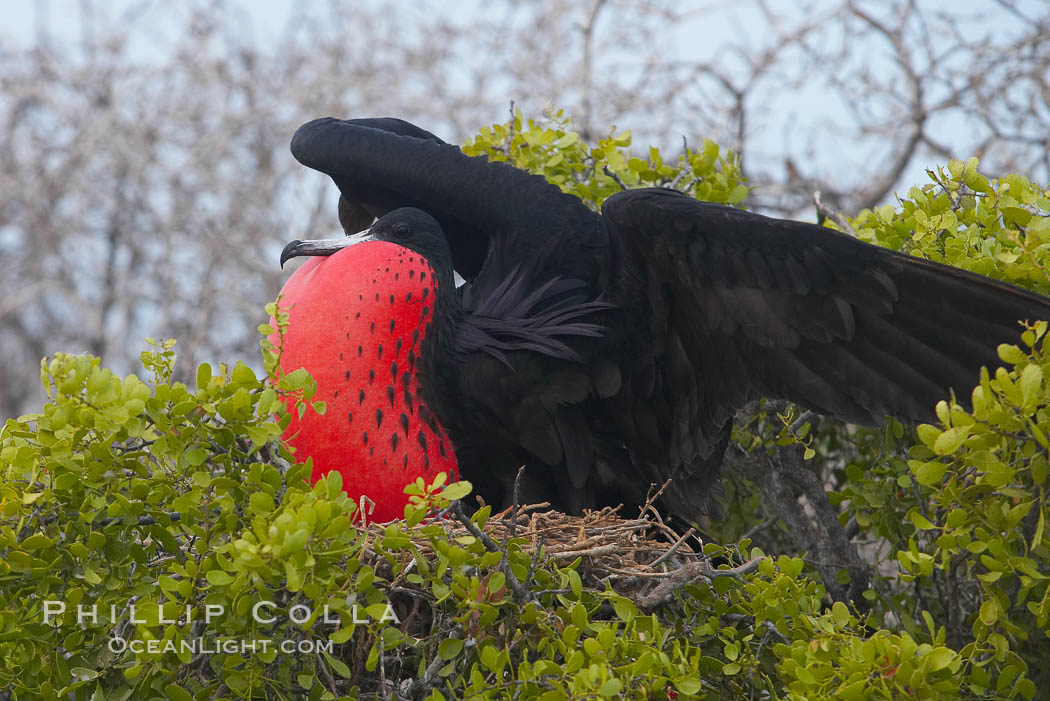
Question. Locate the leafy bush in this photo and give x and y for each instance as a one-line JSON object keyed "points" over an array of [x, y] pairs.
{"points": [[593, 173], [128, 493]]}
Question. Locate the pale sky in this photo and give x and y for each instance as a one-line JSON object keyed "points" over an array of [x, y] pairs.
{"points": [[790, 123]]}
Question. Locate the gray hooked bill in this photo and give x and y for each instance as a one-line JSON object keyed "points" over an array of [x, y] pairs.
{"points": [[323, 247]]}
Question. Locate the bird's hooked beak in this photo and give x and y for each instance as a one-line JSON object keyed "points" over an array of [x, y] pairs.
{"points": [[323, 247]]}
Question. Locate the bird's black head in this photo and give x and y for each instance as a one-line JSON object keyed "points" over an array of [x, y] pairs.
{"points": [[416, 230], [408, 227]]}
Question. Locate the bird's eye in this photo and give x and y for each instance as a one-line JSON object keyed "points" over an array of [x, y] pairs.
{"points": [[401, 230]]}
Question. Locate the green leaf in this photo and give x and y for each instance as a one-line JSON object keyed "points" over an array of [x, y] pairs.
{"points": [[688, 686], [950, 440], [927, 472], [261, 503], [218, 578], [496, 582], [337, 666], [177, 693], [490, 656], [568, 140], [342, 635], [1037, 536], [928, 434], [1011, 354], [920, 521], [1031, 381], [989, 612], [624, 608], [37, 541], [805, 676], [841, 614], [242, 374], [204, 375], [195, 456], [293, 575], [457, 490], [575, 583], [450, 648], [19, 561], [939, 658]]}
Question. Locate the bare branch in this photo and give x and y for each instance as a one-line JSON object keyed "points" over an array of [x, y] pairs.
{"points": [[823, 211]]}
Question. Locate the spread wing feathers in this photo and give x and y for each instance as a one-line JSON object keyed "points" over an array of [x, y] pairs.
{"points": [[517, 316], [739, 305], [383, 164]]}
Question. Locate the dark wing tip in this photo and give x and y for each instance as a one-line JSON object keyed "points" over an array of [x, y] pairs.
{"points": [[313, 139], [306, 138]]}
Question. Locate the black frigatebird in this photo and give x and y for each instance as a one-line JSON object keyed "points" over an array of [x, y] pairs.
{"points": [[608, 352]]}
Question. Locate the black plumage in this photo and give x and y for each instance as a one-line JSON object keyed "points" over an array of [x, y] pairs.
{"points": [[609, 352]]}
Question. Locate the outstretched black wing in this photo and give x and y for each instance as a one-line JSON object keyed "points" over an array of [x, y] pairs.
{"points": [[731, 305]]}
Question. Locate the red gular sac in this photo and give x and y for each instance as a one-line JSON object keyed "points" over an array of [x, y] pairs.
{"points": [[357, 322]]}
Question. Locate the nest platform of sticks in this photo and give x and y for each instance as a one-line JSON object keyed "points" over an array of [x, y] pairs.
{"points": [[643, 558]]}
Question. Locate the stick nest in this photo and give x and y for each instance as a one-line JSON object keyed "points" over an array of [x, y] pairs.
{"points": [[634, 554]]}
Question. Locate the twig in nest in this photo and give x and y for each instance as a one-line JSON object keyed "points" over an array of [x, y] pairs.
{"points": [[673, 548], [641, 574], [520, 592], [513, 529], [361, 509], [652, 496], [587, 552]]}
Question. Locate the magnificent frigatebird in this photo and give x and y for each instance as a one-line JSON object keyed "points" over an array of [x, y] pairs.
{"points": [[609, 352]]}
